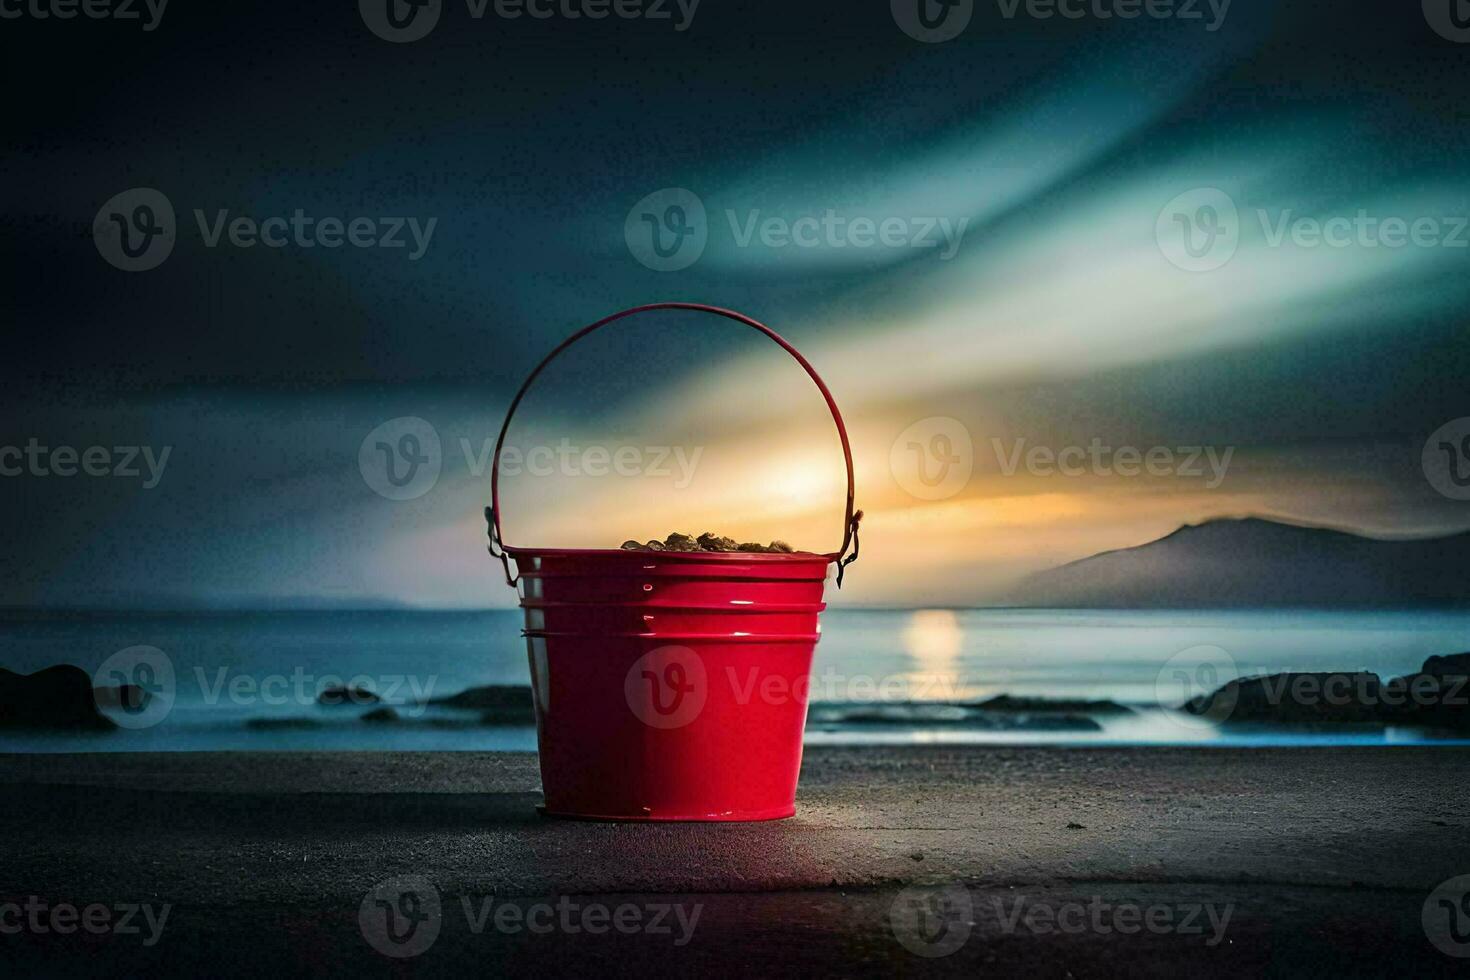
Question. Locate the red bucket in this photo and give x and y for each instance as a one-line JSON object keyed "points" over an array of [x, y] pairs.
{"points": [[670, 685]]}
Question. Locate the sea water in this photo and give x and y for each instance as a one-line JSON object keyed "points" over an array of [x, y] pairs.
{"points": [[248, 680]]}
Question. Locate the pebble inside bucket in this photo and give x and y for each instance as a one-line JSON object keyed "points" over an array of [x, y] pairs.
{"points": [[670, 685]]}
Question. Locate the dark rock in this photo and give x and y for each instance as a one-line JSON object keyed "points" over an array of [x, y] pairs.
{"points": [[1329, 698], [1042, 722], [498, 704], [1454, 665], [57, 697], [335, 694], [510, 715], [1436, 697], [944, 714], [281, 724], [130, 697], [381, 716], [709, 543], [489, 697], [1006, 702], [715, 542]]}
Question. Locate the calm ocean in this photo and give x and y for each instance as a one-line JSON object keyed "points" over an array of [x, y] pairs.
{"points": [[248, 680]]}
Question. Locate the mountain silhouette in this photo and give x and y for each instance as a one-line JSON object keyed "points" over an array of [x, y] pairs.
{"points": [[1253, 562]]}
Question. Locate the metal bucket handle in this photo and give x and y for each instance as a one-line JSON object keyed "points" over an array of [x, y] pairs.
{"points": [[850, 520]]}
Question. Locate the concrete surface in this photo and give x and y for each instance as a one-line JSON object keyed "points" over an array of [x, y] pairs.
{"points": [[1023, 859]]}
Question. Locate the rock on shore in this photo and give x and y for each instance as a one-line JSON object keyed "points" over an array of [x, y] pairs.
{"points": [[59, 697], [1437, 697]]}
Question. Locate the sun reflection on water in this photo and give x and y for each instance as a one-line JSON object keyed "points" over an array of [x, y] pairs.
{"points": [[933, 640]]}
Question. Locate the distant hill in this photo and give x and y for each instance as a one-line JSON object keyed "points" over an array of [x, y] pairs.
{"points": [[1255, 562]]}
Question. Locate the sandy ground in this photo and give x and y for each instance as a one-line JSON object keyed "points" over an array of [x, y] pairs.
{"points": [[1051, 862]]}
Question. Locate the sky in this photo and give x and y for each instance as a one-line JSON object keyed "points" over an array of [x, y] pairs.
{"points": [[1073, 281]]}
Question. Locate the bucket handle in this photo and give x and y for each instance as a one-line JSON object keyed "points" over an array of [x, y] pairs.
{"points": [[850, 521]]}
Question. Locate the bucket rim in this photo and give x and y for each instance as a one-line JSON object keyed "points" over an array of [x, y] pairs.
{"points": [[679, 636], [731, 607], [518, 552]]}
